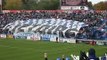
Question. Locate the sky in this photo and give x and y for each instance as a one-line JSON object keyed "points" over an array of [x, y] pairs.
{"points": [[96, 1]]}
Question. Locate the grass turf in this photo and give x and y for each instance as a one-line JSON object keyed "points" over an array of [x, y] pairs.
{"points": [[11, 49]]}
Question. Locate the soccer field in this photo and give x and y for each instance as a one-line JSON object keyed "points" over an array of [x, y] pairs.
{"points": [[11, 49]]}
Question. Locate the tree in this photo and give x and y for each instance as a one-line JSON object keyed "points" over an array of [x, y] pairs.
{"points": [[13, 4], [48, 4], [29, 4], [100, 6], [90, 5], [3, 4]]}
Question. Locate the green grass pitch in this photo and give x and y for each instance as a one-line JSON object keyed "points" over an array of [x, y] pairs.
{"points": [[11, 49]]}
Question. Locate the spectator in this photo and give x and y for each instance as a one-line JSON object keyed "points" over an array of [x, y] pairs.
{"points": [[95, 20], [83, 56], [92, 54]]}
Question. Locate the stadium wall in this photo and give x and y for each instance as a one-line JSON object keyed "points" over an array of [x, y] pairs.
{"points": [[76, 11], [52, 38], [74, 8]]}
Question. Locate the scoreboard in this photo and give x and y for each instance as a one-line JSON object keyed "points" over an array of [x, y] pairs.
{"points": [[73, 2]]}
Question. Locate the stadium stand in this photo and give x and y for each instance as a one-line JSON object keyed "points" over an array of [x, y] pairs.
{"points": [[83, 24], [96, 22]]}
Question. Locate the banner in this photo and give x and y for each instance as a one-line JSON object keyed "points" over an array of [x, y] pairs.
{"points": [[53, 38], [20, 37], [35, 37], [2, 35], [49, 26], [9, 36], [23, 35], [100, 42], [71, 40], [45, 37]]}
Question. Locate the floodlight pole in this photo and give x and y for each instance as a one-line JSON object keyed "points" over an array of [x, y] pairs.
{"points": [[60, 2], [0, 6]]}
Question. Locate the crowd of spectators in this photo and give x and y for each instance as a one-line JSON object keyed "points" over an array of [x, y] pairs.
{"points": [[97, 21], [90, 55]]}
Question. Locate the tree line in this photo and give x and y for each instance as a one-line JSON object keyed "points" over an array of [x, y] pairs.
{"points": [[42, 5], [30, 4]]}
